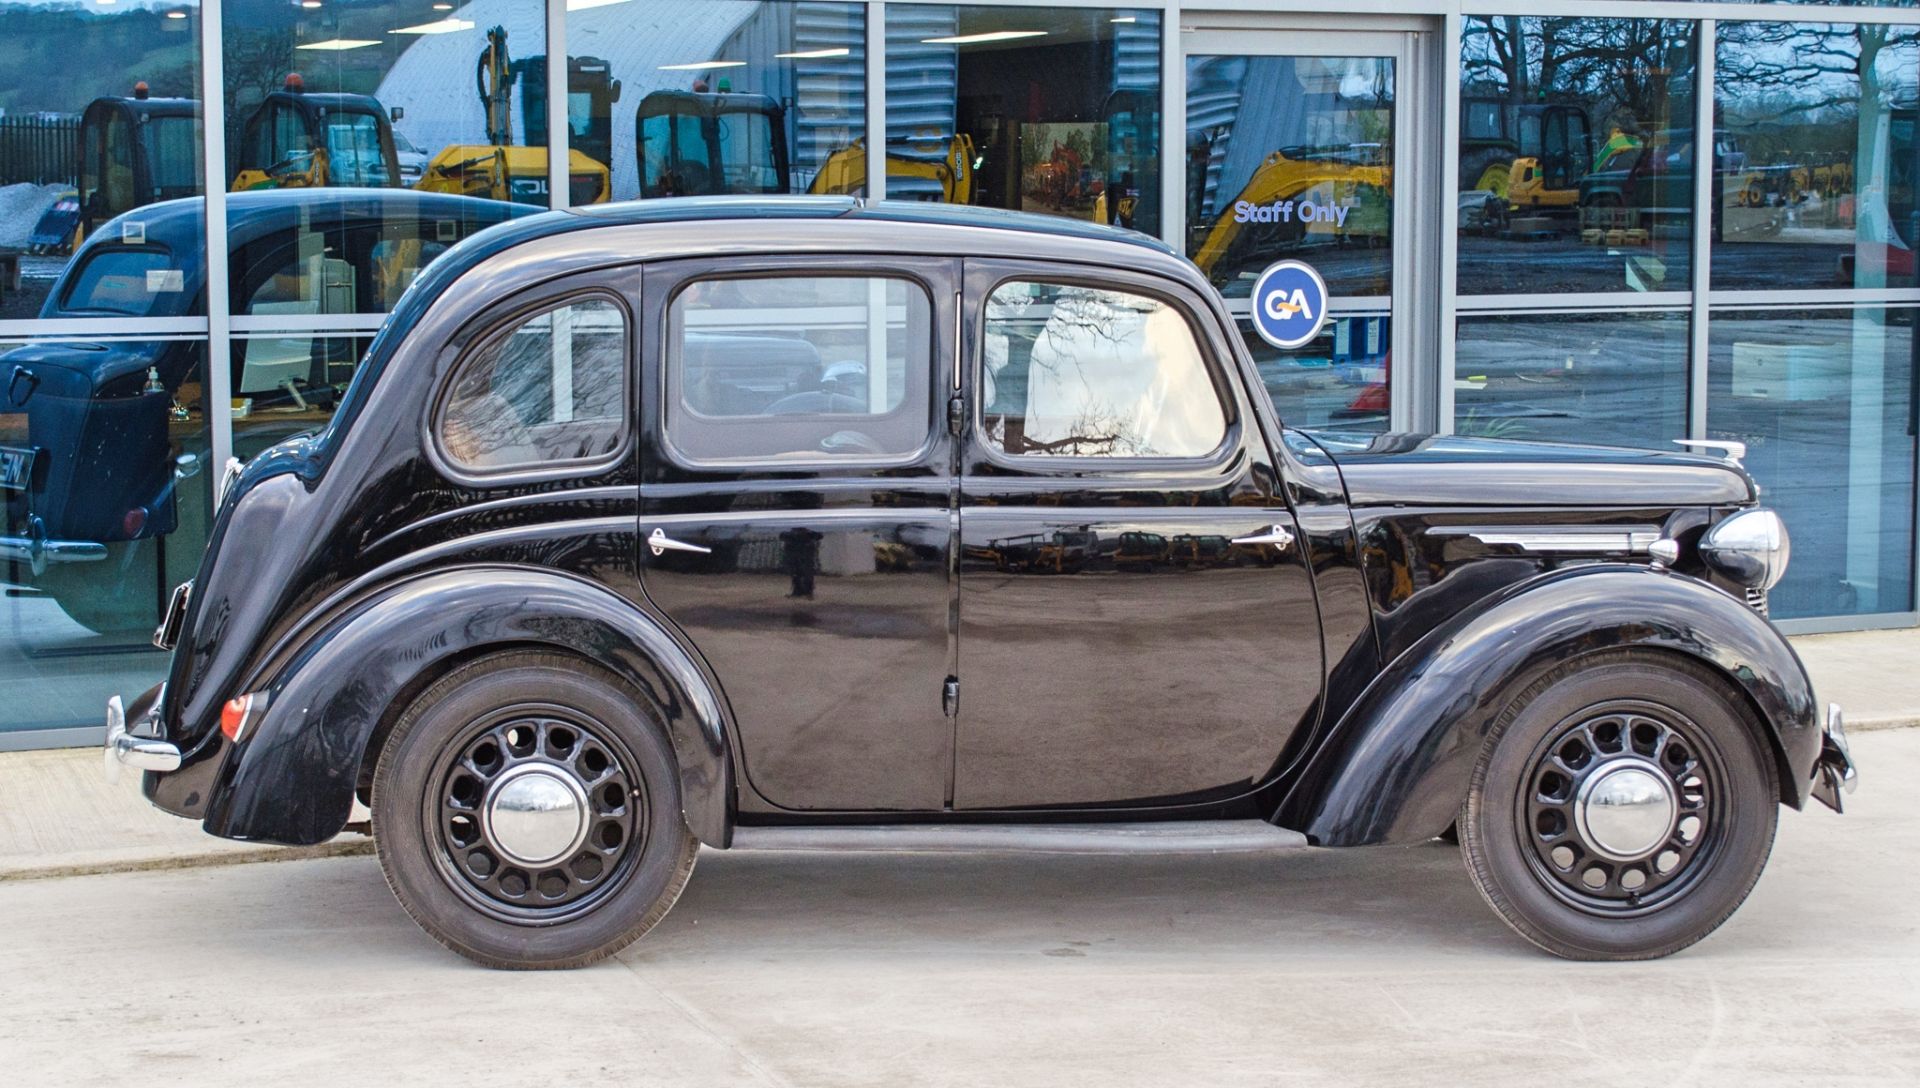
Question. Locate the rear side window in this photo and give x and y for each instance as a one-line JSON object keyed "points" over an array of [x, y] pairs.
{"points": [[1075, 371], [550, 390], [799, 368], [122, 281]]}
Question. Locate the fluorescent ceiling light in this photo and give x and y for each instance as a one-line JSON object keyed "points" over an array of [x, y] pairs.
{"points": [[444, 26], [582, 5], [703, 65], [176, 14], [1125, 19], [443, 7], [813, 54], [989, 36], [335, 45], [309, 3]]}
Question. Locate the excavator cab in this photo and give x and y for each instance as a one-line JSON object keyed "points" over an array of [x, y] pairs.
{"points": [[296, 140], [135, 151], [591, 93], [1525, 156], [698, 143]]}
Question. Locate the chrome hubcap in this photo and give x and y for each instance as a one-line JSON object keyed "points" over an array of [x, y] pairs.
{"points": [[1626, 810], [536, 814]]}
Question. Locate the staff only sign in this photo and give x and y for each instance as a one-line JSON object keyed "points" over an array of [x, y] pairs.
{"points": [[1289, 304]]}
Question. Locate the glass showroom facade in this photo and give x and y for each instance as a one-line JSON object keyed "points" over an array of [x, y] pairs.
{"points": [[1502, 197]]}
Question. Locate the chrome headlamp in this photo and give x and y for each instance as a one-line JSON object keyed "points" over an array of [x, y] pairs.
{"points": [[1751, 548]]}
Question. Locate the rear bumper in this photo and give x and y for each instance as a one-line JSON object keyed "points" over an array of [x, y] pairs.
{"points": [[139, 747], [1834, 775], [36, 550]]}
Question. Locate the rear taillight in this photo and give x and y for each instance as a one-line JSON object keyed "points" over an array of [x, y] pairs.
{"points": [[241, 712], [133, 521]]}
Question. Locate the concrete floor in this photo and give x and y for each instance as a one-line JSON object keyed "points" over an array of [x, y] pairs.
{"points": [[1315, 967]]}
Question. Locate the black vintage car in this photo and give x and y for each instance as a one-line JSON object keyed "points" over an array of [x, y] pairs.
{"points": [[570, 588], [96, 434]]}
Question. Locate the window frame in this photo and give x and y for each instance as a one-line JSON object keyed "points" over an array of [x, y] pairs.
{"points": [[1198, 322], [673, 407], [497, 328]]}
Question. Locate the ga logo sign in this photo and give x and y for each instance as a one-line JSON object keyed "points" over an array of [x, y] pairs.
{"points": [[1289, 304]]}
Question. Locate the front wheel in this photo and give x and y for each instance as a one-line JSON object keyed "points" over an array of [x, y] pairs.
{"points": [[1622, 809], [527, 813]]}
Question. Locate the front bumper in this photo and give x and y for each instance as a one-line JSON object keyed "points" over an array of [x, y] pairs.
{"points": [[139, 749], [1834, 775]]}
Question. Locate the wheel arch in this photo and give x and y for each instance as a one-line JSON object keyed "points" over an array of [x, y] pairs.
{"points": [[292, 777], [1397, 766]]}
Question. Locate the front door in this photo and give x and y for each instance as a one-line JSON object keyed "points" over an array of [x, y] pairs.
{"points": [[1136, 623], [1304, 144], [796, 513]]}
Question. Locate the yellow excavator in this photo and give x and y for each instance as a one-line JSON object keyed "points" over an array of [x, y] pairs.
{"points": [[497, 169], [1525, 157], [297, 140], [1264, 221], [950, 173]]}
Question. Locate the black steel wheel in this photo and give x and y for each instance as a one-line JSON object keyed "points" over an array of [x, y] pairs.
{"points": [[1622, 808], [527, 813]]}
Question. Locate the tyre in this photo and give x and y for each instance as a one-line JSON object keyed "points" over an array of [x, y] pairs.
{"points": [[1622, 808], [527, 813]]}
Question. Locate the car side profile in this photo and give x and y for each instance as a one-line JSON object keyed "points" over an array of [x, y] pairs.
{"points": [[807, 521]]}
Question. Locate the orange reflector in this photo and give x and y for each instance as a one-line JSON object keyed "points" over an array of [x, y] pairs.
{"points": [[233, 716]]}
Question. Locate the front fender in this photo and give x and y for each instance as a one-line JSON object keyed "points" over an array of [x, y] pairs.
{"points": [[291, 778], [1397, 767]]}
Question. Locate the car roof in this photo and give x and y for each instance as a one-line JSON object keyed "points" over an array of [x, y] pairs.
{"points": [[252, 215], [906, 213]]}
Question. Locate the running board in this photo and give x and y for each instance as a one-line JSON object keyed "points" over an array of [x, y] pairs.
{"points": [[1169, 837]]}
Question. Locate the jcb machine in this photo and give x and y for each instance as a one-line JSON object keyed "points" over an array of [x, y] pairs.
{"points": [[699, 143], [1522, 157], [944, 177], [591, 93], [497, 169], [133, 151], [1352, 181], [296, 140]]}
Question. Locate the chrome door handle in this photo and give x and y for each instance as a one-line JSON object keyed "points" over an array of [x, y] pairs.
{"points": [[1275, 535], [660, 542]]}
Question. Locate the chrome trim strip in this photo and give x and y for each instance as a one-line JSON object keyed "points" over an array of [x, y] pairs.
{"points": [[1554, 538], [40, 552], [1166, 837]]}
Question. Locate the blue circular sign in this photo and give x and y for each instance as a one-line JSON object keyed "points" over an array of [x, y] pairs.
{"points": [[1289, 304]]}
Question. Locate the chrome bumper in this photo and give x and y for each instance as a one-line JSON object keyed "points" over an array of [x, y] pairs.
{"points": [[37, 551], [123, 749], [1833, 773]]}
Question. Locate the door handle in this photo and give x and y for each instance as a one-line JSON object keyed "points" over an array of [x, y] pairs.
{"points": [[1276, 535], [659, 541]]}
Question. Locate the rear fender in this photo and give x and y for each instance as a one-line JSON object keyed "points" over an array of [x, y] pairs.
{"points": [[291, 779], [1397, 767]]}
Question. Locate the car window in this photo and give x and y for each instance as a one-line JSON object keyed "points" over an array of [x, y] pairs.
{"points": [[122, 281], [799, 368], [1072, 371], [551, 389]]}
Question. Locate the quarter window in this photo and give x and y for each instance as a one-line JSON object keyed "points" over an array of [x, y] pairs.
{"points": [[1073, 371], [550, 390], [799, 368]]}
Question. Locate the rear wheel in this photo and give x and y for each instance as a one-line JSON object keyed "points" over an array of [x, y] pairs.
{"points": [[528, 815], [1623, 807]]}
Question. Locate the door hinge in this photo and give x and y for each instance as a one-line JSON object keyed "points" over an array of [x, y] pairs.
{"points": [[956, 414], [950, 696]]}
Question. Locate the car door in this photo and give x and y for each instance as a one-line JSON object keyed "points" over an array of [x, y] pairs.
{"points": [[1137, 626], [796, 513]]}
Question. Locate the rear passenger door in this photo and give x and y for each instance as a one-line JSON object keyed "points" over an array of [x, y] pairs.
{"points": [[796, 513], [1137, 623]]}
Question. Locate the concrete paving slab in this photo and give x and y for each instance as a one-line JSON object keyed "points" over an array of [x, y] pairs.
{"points": [[1320, 967], [1874, 675]]}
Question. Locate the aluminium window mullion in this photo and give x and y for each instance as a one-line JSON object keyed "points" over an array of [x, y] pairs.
{"points": [[213, 164], [1705, 36]]}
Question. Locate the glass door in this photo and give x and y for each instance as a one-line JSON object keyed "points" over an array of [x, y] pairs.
{"points": [[1294, 141]]}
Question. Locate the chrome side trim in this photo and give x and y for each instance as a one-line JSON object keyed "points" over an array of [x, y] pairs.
{"points": [[1168, 837], [1554, 538], [1731, 452]]}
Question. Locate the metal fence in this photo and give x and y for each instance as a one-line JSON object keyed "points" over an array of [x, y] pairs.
{"points": [[39, 150]]}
